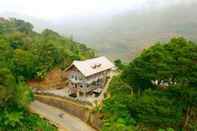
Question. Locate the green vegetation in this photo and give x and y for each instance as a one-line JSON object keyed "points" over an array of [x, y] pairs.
{"points": [[14, 99], [119, 64], [31, 55], [26, 55], [156, 91]]}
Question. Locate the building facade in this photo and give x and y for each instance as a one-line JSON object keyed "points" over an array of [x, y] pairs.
{"points": [[88, 76]]}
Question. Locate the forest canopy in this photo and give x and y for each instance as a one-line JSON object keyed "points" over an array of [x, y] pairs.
{"points": [[26, 55], [155, 91], [30, 55]]}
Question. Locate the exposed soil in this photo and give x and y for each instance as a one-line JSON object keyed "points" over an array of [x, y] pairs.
{"points": [[54, 79]]}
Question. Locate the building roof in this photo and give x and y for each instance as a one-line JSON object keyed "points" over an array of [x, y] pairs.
{"points": [[92, 66]]}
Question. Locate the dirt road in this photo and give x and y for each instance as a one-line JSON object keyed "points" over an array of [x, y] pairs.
{"points": [[64, 120]]}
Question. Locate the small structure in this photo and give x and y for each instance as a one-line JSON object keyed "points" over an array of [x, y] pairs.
{"points": [[88, 75]]}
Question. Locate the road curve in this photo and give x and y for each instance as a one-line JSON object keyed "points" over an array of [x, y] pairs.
{"points": [[57, 116]]}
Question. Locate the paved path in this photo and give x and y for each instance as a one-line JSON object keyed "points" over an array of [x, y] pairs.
{"points": [[64, 120]]}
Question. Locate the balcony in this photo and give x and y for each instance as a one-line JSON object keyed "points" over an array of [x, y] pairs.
{"points": [[73, 80]]}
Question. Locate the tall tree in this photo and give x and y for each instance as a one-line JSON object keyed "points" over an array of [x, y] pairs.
{"points": [[163, 65], [24, 64], [170, 67]]}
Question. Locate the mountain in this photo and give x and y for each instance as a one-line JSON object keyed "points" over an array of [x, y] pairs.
{"points": [[38, 23], [126, 34]]}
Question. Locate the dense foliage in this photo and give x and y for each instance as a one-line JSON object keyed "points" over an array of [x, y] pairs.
{"points": [[26, 55], [163, 80], [31, 55], [14, 99]]}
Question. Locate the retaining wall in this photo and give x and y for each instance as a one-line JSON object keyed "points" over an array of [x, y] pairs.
{"points": [[83, 112]]}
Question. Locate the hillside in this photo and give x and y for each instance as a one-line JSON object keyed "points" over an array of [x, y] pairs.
{"points": [[156, 91], [125, 34], [27, 55]]}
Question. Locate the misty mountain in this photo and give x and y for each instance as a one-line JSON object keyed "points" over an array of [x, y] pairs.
{"points": [[39, 24], [125, 34]]}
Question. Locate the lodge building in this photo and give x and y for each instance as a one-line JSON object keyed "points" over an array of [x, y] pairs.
{"points": [[89, 75]]}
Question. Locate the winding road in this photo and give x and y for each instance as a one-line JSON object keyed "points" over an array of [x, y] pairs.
{"points": [[63, 120]]}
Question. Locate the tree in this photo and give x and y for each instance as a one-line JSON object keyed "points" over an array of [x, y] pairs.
{"points": [[21, 25], [164, 65], [119, 64], [155, 109], [187, 99], [24, 64], [7, 86], [6, 53], [46, 56], [19, 40], [171, 70], [23, 95], [115, 108]]}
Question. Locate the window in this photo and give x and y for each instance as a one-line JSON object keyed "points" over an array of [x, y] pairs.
{"points": [[97, 82], [80, 78], [75, 77]]}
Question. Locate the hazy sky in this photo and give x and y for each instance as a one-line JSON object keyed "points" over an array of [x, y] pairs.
{"points": [[56, 9]]}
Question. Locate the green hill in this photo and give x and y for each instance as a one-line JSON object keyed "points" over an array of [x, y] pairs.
{"points": [[26, 55]]}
